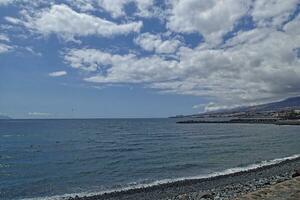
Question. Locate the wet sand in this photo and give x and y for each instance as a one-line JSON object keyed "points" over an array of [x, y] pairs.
{"points": [[234, 186]]}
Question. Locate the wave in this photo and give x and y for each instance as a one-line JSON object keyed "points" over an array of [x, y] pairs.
{"points": [[229, 171]]}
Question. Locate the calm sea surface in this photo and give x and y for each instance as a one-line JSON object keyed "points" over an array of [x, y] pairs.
{"points": [[44, 158]]}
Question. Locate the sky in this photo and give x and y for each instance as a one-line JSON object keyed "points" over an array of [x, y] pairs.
{"points": [[145, 58]]}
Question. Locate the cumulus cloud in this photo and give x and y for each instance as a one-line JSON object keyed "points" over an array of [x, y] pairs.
{"points": [[212, 19], [254, 66], [143, 8], [83, 5], [58, 73], [273, 12], [292, 28], [67, 23], [114, 68], [151, 42], [117, 7]]}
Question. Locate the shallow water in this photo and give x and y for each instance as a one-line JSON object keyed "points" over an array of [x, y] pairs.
{"points": [[45, 158]]}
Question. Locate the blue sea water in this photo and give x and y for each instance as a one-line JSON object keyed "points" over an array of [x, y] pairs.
{"points": [[52, 158]]}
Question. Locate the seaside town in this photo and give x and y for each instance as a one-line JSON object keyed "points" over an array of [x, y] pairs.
{"points": [[280, 113]]}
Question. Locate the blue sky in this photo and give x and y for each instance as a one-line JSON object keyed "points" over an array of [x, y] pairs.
{"points": [[145, 58]]}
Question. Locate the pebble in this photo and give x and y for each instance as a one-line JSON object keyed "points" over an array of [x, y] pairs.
{"points": [[228, 191], [296, 173]]}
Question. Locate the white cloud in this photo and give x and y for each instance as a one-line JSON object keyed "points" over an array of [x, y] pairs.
{"points": [[4, 38], [83, 5], [273, 12], [13, 20], [67, 23], [199, 106], [144, 8], [5, 2], [292, 28], [120, 68], [254, 66], [39, 114], [58, 73], [117, 7], [4, 48], [26, 3], [4, 44], [211, 18], [210, 107], [155, 43], [32, 51]]}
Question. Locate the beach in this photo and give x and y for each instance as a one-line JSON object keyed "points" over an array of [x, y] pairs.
{"points": [[258, 183]]}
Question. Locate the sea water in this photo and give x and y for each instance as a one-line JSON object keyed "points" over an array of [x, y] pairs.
{"points": [[49, 159]]}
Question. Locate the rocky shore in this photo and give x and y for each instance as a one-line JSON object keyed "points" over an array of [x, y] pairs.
{"points": [[287, 190], [232, 186]]}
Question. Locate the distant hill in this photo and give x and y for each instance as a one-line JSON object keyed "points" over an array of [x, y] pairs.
{"points": [[287, 104], [290, 103], [4, 117]]}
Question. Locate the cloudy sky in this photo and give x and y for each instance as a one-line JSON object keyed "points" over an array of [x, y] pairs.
{"points": [[145, 58]]}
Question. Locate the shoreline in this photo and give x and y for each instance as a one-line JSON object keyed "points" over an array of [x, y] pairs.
{"points": [[224, 186]]}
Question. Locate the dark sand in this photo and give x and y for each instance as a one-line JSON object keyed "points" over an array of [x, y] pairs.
{"points": [[233, 186]]}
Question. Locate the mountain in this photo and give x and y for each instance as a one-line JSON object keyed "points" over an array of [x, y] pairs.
{"points": [[290, 103], [287, 104], [4, 117]]}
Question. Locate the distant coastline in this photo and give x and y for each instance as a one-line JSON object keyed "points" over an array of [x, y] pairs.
{"points": [[244, 121], [286, 112]]}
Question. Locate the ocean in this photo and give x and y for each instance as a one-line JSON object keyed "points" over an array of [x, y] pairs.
{"points": [[50, 159]]}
